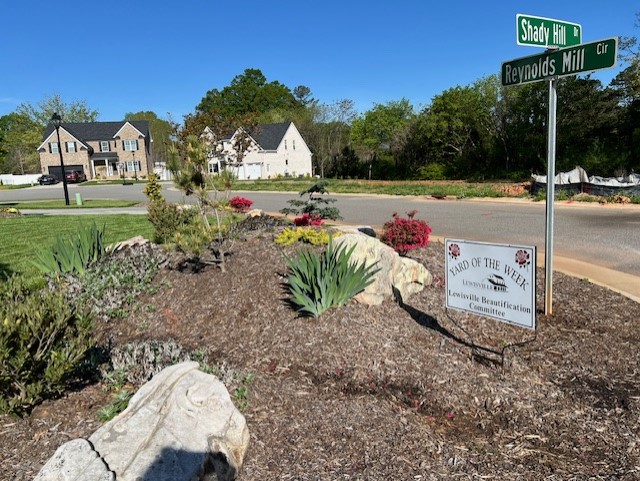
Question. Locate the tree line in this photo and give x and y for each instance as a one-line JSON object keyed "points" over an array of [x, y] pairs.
{"points": [[477, 131]]}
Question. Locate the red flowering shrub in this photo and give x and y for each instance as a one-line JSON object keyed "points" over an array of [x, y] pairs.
{"points": [[240, 204], [308, 219], [405, 234]]}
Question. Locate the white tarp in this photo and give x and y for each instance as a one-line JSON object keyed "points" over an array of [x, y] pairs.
{"points": [[579, 176]]}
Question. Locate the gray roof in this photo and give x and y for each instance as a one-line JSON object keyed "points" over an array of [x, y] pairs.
{"points": [[98, 130], [269, 136]]}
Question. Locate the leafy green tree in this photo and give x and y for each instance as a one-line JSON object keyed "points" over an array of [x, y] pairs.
{"points": [[19, 138], [161, 131], [587, 118], [248, 93], [76, 111], [382, 130], [330, 134]]}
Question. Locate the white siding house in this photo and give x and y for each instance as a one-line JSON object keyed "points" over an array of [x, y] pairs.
{"points": [[275, 150]]}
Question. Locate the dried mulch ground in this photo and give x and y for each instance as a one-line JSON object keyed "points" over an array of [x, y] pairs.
{"points": [[407, 392]]}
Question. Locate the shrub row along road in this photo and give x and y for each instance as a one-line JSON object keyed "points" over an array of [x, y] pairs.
{"points": [[605, 236]]}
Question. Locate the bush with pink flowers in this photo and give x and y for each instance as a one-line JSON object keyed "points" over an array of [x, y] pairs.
{"points": [[405, 234]]}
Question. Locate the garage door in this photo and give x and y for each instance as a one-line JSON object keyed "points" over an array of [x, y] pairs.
{"points": [[254, 171], [56, 171]]}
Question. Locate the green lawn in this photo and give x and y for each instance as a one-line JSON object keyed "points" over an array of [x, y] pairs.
{"points": [[335, 186], [59, 204], [13, 187], [21, 237]]}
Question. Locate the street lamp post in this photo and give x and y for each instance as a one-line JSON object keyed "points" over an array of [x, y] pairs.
{"points": [[56, 120], [135, 170]]}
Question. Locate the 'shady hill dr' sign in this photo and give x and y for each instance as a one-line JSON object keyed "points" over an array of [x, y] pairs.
{"points": [[492, 280]]}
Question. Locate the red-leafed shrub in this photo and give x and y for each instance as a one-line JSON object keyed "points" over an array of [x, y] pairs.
{"points": [[308, 219], [240, 204], [405, 234]]}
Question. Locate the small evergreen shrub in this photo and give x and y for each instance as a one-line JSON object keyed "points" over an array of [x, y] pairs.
{"points": [[72, 255], [405, 234], [43, 339], [168, 218], [153, 189], [240, 204], [315, 204], [321, 281]]}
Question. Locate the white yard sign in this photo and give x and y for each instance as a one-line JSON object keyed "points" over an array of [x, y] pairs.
{"points": [[493, 280]]}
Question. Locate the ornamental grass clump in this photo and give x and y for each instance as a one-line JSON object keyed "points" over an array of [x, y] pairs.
{"points": [[321, 281], [73, 255], [405, 234]]}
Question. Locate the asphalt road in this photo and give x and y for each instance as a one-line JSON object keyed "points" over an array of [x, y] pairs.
{"points": [[605, 236]]}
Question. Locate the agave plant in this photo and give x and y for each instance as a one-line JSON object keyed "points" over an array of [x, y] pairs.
{"points": [[321, 281]]}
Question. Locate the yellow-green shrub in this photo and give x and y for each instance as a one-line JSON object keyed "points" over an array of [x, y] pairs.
{"points": [[310, 235]]}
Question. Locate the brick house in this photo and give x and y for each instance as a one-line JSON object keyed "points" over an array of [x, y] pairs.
{"points": [[275, 150], [103, 150]]}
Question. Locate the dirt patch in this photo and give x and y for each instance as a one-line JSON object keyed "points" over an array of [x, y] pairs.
{"points": [[387, 392]]}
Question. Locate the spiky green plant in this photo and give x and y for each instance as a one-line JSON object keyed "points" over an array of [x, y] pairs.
{"points": [[321, 281], [72, 255]]}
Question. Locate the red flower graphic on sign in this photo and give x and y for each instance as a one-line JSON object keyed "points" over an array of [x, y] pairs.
{"points": [[454, 251], [522, 258]]}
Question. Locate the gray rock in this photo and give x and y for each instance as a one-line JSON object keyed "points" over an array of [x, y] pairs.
{"points": [[397, 276], [180, 426], [173, 429], [75, 461]]}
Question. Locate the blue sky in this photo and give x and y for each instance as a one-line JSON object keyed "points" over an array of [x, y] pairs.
{"points": [[126, 56]]}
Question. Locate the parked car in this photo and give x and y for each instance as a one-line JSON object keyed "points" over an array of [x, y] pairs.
{"points": [[75, 176], [47, 179]]}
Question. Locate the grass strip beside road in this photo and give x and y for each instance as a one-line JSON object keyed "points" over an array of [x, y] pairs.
{"points": [[336, 186], [21, 237], [14, 187], [59, 204]]}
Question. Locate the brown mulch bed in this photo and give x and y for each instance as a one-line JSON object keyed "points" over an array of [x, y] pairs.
{"points": [[389, 392]]}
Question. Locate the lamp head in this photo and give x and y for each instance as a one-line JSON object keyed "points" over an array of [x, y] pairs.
{"points": [[56, 120]]}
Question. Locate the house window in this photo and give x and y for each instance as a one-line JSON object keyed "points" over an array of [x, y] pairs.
{"points": [[294, 144], [130, 145], [132, 166], [285, 144], [71, 147], [53, 147], [286, 161], [104, 146]]}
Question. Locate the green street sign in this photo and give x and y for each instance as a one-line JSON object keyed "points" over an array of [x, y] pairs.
{"points": [[561, 63], [546, 32]]}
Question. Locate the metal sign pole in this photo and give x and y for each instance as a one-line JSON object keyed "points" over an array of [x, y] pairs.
{"points": [[551, 173]]}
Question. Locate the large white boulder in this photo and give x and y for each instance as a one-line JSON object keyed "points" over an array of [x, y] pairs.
{"points": [[181, 425], [402, 274]]}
